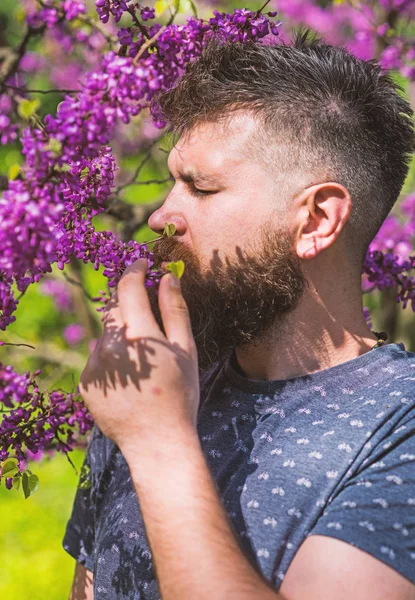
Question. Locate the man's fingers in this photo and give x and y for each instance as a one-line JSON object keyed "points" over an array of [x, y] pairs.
{"points": [[175, 315], [134, 302]]}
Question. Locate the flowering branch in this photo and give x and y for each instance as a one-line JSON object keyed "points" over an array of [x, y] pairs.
{"points": [[68, 178], [11, 65], [68, 168], [50, 91]]}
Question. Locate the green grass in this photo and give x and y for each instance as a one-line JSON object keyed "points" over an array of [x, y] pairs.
{"points": [[33, 563]]}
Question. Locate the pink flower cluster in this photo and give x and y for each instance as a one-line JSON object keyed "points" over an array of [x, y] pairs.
{"points": [[368, 29], [49, 14], [391, 255], [8, 130], [67, 179], [69, 170], [34, 422]]}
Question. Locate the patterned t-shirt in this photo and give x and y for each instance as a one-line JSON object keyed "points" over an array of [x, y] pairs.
{"points": [[331, 453]]}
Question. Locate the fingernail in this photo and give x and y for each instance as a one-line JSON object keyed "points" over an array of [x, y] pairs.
{"points": [[174, 281]]}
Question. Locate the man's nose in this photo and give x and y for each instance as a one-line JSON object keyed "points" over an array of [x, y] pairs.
{"points": [[163, 215]]}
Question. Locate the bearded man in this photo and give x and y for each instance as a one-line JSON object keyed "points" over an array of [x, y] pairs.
{"points": [[253, 439]]}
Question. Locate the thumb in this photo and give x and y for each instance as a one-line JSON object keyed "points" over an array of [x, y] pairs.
{"points": [[175, 314]]}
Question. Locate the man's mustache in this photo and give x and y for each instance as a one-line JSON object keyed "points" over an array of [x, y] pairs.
{"points": [[170, 249]]}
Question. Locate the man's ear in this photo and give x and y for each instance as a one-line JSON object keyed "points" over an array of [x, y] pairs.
{"points": [[322, 211]]}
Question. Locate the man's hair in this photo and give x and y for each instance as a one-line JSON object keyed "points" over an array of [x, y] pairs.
{"points": [[338, 118]]}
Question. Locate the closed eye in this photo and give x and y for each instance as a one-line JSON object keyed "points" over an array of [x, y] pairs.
{"points": [[197, 192], [193, 189]]}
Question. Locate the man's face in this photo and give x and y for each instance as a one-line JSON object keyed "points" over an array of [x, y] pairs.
{"points": [[242, 274]]}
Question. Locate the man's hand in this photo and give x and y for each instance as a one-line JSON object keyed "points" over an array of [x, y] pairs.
{"points": [[139, 384]]}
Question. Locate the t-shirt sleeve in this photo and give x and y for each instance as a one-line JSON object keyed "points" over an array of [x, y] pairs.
{"points": [[375, 509], [79, 536]]}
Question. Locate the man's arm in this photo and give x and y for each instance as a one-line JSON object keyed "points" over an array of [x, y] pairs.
{"points": [[325, 568], [142, 389], [83, 584], [196, 554]]}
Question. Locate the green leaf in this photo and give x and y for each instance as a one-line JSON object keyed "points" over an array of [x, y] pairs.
{"points": [[177, 268], [63, 169], [27, 108], [20, 14], [169, 229], [185, 6], [33, 483], [160, 6], [16, 482], [55, 146], [30, 484], [10, 467], [193, 7], [25, 485], [13, 171]]}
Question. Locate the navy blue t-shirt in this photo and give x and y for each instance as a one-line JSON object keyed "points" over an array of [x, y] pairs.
{"points": [[331, 453]]}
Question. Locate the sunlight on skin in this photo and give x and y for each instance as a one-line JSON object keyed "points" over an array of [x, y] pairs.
{"points": [[328, 326]]}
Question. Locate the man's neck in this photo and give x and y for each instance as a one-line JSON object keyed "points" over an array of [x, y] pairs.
{"points": [[312, 338]]}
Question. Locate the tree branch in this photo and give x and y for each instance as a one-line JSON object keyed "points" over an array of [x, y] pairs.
{"points": [[4, 182], [77, 283], [112, 40], [132, 215], [137, 22], [147, 182], [11, 64], [82, 307], [139, 168], [52, 91], [53, 354]]}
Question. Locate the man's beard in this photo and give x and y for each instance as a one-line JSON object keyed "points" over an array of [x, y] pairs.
{"points": [[235, 302]]}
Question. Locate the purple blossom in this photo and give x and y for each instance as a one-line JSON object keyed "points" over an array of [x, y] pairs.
{"points": [[28, 227], [48, 14], [116, 8], [397, 234], [32, 62], [389, 271], [73, 8], [74, 334], [52, 216], [36, 422], [60, 292], [391, 58], [8, 304], [359, 25], [368, 317], [46, 217], [8, 131], [147, 13]]}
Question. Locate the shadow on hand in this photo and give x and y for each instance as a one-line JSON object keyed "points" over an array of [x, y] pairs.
{"points": [[118, 361]]}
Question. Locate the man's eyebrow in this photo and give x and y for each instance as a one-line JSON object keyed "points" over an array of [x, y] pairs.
{"points": [[194, 177]]}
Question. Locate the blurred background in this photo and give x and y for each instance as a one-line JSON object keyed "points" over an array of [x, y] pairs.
{"points": [[56, 316]]}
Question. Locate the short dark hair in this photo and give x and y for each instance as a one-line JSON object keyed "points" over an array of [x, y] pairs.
{"points": [[342, 116]]}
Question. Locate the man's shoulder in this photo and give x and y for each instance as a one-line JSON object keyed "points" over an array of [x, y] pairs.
{"points": [[387, 371], [399, 371]]}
